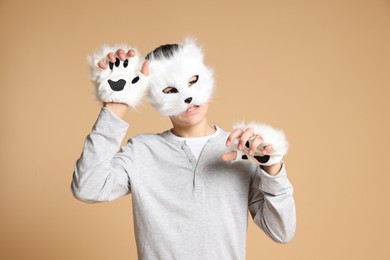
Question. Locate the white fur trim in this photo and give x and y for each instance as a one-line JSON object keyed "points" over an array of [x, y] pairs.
{"points": [[127, 92]]}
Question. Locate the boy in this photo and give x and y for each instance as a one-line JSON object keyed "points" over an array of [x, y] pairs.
{"points": [[190, 194]]}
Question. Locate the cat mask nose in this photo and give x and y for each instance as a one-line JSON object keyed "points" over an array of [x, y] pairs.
{"points": [[188, 100]]}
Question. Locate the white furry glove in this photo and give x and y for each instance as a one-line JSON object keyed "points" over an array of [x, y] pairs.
{"points": [[270, 136], [122, 82]]}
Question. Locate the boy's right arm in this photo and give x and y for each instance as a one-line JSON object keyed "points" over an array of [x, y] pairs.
{"points": [[99, 173]]}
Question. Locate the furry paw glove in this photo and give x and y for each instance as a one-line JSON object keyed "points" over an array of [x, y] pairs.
{"points": [[122, 82], [270, 136]]}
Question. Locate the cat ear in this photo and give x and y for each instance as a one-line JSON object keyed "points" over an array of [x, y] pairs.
{"points": [[190, 48]]}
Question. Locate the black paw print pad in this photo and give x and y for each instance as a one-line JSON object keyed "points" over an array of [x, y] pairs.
{"points": [[260, 159], [119, 85]]}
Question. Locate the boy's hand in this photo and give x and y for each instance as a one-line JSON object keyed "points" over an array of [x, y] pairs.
{"points": [[117, 77], [258, 143], [243, 138]]}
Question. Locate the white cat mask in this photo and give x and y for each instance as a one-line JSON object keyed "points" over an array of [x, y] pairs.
{"points": [[178, 78]]}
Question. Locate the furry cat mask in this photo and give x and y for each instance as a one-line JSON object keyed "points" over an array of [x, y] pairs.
{"points": [[178, 78]]}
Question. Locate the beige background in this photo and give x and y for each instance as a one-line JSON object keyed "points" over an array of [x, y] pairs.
{"points": [[318, 69]]}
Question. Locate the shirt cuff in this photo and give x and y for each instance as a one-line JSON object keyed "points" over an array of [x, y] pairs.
{"points": [[275, 185], [109, 122]]}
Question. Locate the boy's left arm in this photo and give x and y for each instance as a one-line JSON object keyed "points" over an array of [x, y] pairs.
{"points": [[271, 201], [272, 206]]}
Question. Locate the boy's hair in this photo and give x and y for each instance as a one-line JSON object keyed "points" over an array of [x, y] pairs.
{"points": [[166, 51]]}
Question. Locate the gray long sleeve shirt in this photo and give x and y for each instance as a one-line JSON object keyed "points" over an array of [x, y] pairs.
{"points": [[183, 208]]}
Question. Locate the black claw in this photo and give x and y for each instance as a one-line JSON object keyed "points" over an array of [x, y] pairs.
{"points": [[135, 80]]}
